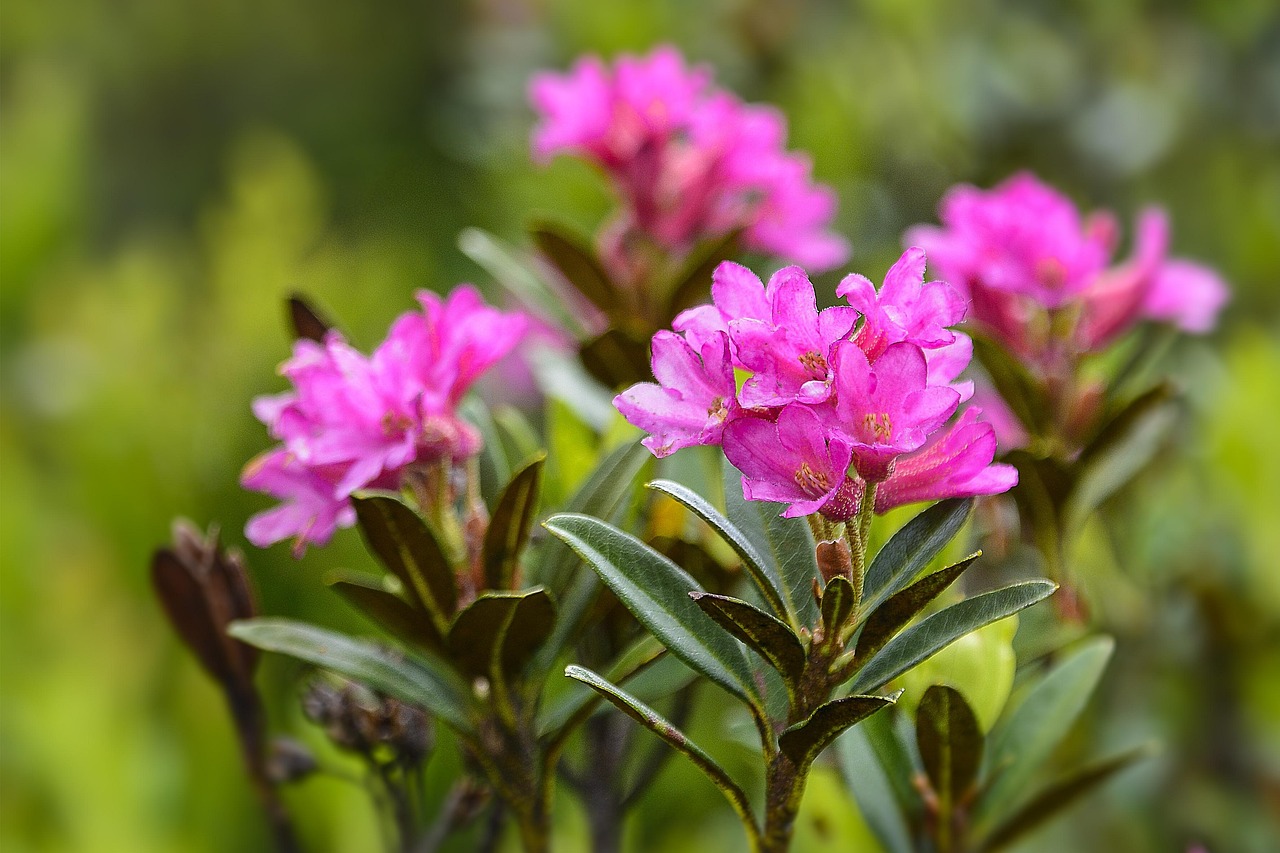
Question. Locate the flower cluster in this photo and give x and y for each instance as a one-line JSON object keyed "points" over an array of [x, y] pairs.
{"points": [[836, 400], [356, 422], [690, 161], [1023, 256]]}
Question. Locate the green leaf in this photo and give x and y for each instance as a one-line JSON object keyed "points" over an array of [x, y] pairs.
{"points": [[494, 461], [762, 572], [1017, 386], [943, 628], [657, 592], [676, 739], [578, 263], [307, 323], [390, 611], [556, 721], [517, 274], [950, 744], [509, 525], [1024, 738], [1058, 796], [1122, 449], [786, 544], [911, 548], [868, 779], [498, 632], [837, 604], [892, 616], [409, 550], [767, 636], [804, 741], [410, 679]]}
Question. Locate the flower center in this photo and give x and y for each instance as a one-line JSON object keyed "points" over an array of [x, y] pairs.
{"points": [[717, 411], [812, 482], [395, 422], [814, 363], [879, 425]]}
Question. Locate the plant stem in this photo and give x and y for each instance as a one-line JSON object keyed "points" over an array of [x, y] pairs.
{"points": [[858, 533]]}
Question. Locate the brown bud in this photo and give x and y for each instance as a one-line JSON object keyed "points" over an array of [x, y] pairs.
{"points": [[288, 761], [834, 559]]}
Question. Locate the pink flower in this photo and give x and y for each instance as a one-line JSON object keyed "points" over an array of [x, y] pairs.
{"points": [[694, 400], [689, 161], [956, 463], [887, 409], [794, 460], [310, 512], [354, 421]]}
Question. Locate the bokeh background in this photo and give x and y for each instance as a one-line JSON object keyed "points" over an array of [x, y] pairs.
{"points": [[171, 170]]}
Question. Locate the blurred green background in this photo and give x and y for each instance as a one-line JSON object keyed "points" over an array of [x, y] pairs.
{"points": [[171, 170]]}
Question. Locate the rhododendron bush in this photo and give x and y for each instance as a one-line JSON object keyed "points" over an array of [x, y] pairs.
{"points": [[700, 489]]}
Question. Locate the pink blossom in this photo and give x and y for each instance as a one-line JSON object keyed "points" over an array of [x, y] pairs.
{"points": [[354, 421], [694, 399], [794, 460], [689, 161], [955, 463]]}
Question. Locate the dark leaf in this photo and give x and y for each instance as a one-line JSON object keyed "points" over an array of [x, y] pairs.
{"points": [[508, 529], [657, 592], [693, 285], [486, 638], [676, 739], [1054, 799], [306, 322], [927, 638], [578, 263], [950, 744], [763, 573], [1017, 387], [911, 549], [786, 544], [768, 637], [892, 616], [837, 604], [390, 611], [531, 624], [616, 358], [184, 600], [804, 741], [415, 680], [407, 547]]}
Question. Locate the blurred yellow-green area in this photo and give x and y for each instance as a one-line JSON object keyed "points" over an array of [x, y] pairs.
{"points": [[171, 170]]}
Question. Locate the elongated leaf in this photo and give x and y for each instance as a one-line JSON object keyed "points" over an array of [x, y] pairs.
{"points": [[765, 634], [411, 679], [305, 320], [943, 628], [517, 274], [676, 739], [763, 572], [804, 741], [554, 722], [1024, 738], [693, 285], [911, 548], [403, 544], [868, 780], [1123, 448], [578, 263], [495, 463], [837, 604], [892, 616], [390, 611], [1058, 796], [657, 592], [481, 638], [950, 744], [786, 545], [616, 357], [509, 525]]}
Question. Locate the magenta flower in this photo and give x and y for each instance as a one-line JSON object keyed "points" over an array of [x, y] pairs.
{"points": [[694, 399], [688, 160], [794, 460], [353, 421], [886, 409], [955, 463]]}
